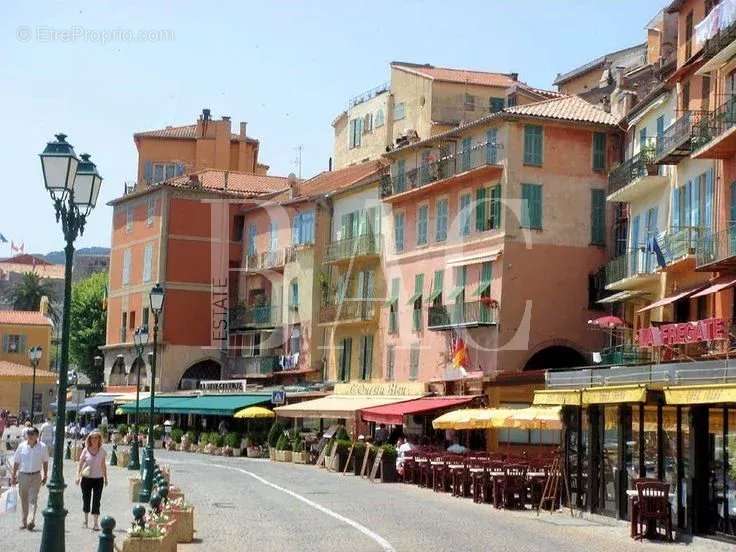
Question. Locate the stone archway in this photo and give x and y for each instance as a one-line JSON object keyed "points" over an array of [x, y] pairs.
{"points": [[138, 365], [207, 369], [555, 356], [117, 372]]}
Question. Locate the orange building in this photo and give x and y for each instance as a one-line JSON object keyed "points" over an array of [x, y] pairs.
{"points": [[180, 226]]}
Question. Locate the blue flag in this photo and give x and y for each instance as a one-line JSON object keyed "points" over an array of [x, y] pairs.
{"points": [[653, 247], [3, 239]]}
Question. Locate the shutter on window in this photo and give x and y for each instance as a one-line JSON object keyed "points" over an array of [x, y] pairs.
{"points": [[148, 172], [480, 209], [496, 207], [5, 343], [676, 209], [708, 203], [598, 217]]}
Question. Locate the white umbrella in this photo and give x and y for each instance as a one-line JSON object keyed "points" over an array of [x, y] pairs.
{"points": [[87, 410]]}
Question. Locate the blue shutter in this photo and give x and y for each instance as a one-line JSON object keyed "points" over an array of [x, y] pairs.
{"points": [[695, 217], [467, 145], [400, 176], [491, 135], [675, 215], [537, 218], [496, 207], [148, 172], [733, 204], [634, 233], [525, 199], [598, 217], [708, 201], [533, 144]]}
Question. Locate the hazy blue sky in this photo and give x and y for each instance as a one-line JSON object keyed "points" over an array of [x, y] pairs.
{"points": [[285, 67]]}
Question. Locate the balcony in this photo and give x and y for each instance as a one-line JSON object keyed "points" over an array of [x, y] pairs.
{"points": [[717, 251], [678, 244], [631, 270], [460, 163], [635, 176], [715, 137], [367, 245], [270, 260], [624, 355], [348, 311], [253, 366], [676, 141], [263, 316], [718, 29], [461, 315]]}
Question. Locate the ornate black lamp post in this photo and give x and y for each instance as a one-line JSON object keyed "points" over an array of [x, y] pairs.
{"points": [[157, 303], [140, 339], [34, 355], [74, 186]]}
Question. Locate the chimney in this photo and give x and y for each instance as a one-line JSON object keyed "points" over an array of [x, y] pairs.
{"points": [[329, 165], [293, 192], [243, 126], [514, 76], [206, 113], [226, 117]]}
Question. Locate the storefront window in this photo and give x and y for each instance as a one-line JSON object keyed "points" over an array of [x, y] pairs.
{"points": [[647, 446], [716, 468], [610, 452], [669, 451], [731, 472], [685, 463]]}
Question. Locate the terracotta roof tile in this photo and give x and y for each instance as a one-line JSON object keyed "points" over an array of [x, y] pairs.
{"points": [[25, 318], [52, 271], [333, 181], [448, 74], [184, 132], [567, 108], [14, 369], [237, 182]]}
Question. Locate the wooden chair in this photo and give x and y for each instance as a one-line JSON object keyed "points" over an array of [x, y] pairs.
{"points": [[654, 507], [513, 487]]}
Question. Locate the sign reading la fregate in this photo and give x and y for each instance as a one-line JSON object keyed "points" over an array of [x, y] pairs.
{"points": [[711, 329]]}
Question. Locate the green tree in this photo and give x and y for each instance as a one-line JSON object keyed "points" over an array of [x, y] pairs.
{"points": [[88, 324], [27, 292]]}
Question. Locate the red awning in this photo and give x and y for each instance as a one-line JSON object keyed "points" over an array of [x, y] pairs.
{"points": [[393, 414], [672, 298], [719, 284]]}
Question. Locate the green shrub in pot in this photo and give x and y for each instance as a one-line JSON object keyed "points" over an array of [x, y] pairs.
{"points": [[233, 440], [177, 434]]}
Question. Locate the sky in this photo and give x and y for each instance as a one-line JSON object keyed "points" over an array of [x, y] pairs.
{"points": [[100, 71]]}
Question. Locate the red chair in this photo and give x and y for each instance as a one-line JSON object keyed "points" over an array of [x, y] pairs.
{"points": [[513, 487], [654, 507]]}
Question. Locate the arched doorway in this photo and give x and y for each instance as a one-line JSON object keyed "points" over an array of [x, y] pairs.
{"points": [[117, 372], [555, 356], [203, 370], [138, 365]]}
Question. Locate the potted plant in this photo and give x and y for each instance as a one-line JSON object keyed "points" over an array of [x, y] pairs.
{"points": [[276, 431], [183, 513], [298, 454], [233, 441], [388, 464], [343, 447], [283, 449], [144, 539], [158, 433], [358, 455]]}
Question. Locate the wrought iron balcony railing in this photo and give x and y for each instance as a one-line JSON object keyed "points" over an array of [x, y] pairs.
{"points": [[625, 354], [677, 141], [716, 247], [255, 316], [268, 260], [718, 29], [474, 313], [439, 169], [348, 310], [642, 164], [714, 123], [677, 243], [358, 246], [632, 263], [253, 366]]}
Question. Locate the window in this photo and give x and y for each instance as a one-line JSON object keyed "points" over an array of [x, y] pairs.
{"points": [[414, 362], [531, 206], [400, 176], [469, 102], [597, 217], [128, 218], [599, 151], [435, 296], [393, 307], [494, 222], [642, 138], [416, 301], [150, 206], [378, 120], [344, 360], [294, 295], [533, 145], [495, 104], [399, 111], [14, 344], [251, 244], [465, 214], [465, 161], [273, 237], [488, 208], [486, 277], [461, 279], [442, 216], [303, 231], [126, 266], [356, 131], [145, 316], [491, 154], [688, 35], [366, 357], [390, 362], [424, 171], [685, 97], [131, 319], [367, 123], [422, 217], [123, 326], [147, 262], [398, 232], [511, 100], [705, 94], [295, 340], [164, 171], [238, 223]]}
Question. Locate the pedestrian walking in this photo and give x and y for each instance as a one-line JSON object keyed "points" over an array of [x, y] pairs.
{"points": [[30, 469], [47, 435], [92, 476]]}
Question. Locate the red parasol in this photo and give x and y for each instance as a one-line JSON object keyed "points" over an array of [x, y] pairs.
{"points": [[607, 322]]}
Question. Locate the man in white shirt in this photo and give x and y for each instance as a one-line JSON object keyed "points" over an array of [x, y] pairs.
{"points": [[31, 459], [456, 448]]}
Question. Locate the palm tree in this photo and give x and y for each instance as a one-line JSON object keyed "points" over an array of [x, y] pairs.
{"points": [[27, 292]]}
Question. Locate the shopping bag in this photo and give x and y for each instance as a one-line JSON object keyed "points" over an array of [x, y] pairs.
{"points": [[9, 501]]}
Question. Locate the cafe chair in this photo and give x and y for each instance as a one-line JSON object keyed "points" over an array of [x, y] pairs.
{"points": [[653, 507]]}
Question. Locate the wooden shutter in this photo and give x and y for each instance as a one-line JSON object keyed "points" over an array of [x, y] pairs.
{"points": [[148, 172], [675, 215], [597, 217], [708, 200], [495, 214], [480, 209]]}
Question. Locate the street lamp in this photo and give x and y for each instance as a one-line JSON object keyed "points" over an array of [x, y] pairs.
{"points": [[156, 298], [140, 339], [34, 355], [74, 186]]}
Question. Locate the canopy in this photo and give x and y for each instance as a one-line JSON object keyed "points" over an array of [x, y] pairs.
{"points": [[701, 394], [160, 404], [127, 397], [335, 406], [87, 410], [94, 402], [255, 412], [672, 298], [607, 322], [620, 296], [719, 284], [564, 397], [216, 405], [614, 394], [537, 417], [534, 417], [393, 414]]}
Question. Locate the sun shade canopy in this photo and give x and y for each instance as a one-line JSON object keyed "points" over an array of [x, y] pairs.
{"points": [[394, 413]]}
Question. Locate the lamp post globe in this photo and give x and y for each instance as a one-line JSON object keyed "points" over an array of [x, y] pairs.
{"points": [[156, 299], [34, 356], [74, 187]]}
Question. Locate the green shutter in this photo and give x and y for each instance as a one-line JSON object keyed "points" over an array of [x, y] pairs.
{"points": [[480, 209], [486, 275], [496, 207], [599, 151], [537, 204], [533, 144], [437, 286], [531, 206], [597, 217]]}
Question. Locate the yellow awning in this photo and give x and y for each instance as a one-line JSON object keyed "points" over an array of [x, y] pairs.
{"points": [[564, 397], [615, 394], [473, 418], [701, 394], [335, 406], [536, 417]]}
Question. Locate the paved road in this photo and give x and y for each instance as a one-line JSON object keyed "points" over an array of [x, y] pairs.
{"points": [[246, 504]]}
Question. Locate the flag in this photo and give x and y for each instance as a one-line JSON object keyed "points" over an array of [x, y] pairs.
{"points": [[3, 239], [653, 247], [459, 354], [16, 248]]}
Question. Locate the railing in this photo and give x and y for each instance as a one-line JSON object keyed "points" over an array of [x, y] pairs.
{"points": [[348, 310], [265, 261], [265, 315], [358, 246], [444, 167], [369, 94], [642, 164], [625, 354], [718, 246], [475, 313], [254, 366], [680, 242], [634, 262], [676, 135], [717, 30], [715, 123]]}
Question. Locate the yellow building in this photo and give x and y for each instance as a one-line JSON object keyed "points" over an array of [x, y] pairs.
{"points": [[21, 330], [16, 385]]}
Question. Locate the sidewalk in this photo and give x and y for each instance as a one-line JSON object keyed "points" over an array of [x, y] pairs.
{"points": [[115, 503]]}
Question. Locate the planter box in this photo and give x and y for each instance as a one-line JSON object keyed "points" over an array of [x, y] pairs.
{"points": [[175, 492], [134, 488], [254, 452], [271, 453], [300, 457], [170, 538], [236, 452], [184, 524], [136, 544], [388, 471], [283, 455]]}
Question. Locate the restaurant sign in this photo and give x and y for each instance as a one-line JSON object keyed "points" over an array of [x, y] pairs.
{"points": [[399, 389], [710, 329], [223, 386]]}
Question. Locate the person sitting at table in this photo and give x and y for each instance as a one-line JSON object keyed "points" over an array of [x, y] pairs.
{"points": [[404, 446], [456, 448]]}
